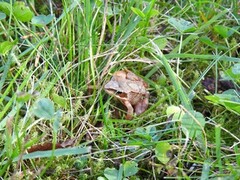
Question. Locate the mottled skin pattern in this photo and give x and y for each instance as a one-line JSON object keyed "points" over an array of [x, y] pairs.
{"points": [[130, 89]]}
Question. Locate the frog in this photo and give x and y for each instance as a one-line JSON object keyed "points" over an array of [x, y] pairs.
{"points": [[130, 90]]}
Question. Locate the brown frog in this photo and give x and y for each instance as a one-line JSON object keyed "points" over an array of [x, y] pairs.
{"points": [[130, 89]]}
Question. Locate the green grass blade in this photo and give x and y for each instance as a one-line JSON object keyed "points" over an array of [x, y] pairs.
{"points": [[58, 152], [5, 72], [206, 169], [218, 146], [202, 57], [176, 83]]}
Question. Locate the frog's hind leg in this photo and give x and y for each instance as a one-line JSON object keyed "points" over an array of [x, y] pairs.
{"points": [[129, 109], [141, 106]]}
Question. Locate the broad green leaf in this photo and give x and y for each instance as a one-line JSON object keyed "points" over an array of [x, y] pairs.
{"points": [[142, 40], [61, 101], [23, 96], [231, 95], [43, 108], [147, 133], [162, 80], [101, 178], [5, 7], [193, 123], [181, 25], [223, 31], [6, 46], [176, 111], [140, 131], [153, 13], [236, 69], [231, 74], [56, 121], [214, 98], [19, 10], [229, 99], [162, 150], [42, 20], [130, 168], [100, 4], [138, 12], [81, 162], [161, 42], [206, 168], [151, 130], [206, 40], [232, 106], [111, 173], [2, 16], [22, 12], [120, 172]]}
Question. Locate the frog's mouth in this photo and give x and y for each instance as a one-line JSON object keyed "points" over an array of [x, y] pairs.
{"points": [[114, 92], [112, 88]]}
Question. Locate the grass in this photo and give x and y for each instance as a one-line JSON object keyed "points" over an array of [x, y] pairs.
{"points": [[51, 90]]}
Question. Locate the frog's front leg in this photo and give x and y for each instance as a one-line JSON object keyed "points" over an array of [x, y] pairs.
{"points": [[141, 106], [129, 109]]}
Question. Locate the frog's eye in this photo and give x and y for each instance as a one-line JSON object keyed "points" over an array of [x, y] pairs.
{"points": [[118, 92]]}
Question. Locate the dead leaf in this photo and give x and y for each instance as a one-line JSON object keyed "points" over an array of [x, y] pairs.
{"points": [[49, 146], [222, 85]]}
